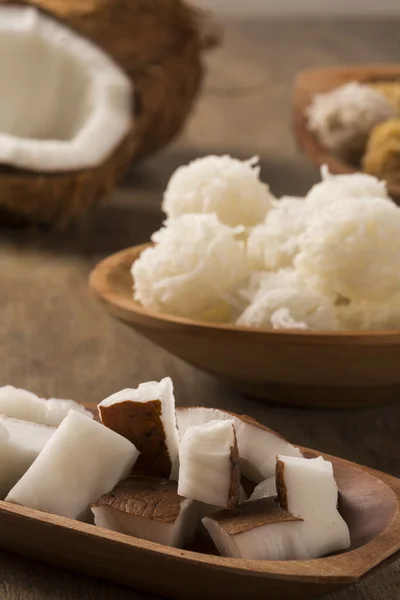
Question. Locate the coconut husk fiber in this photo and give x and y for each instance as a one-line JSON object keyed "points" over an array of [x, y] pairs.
{"points": [[159, 43]]}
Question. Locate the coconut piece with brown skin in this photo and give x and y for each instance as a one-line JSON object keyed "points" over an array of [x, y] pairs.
{"points": [[148, 508], [307, 488], [259, 530], [209, 464], [146, 417], [265, 489], [258, 446]]}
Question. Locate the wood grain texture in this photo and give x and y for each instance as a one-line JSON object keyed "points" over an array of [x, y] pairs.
{"points": [[58, 341], [311, 82]]}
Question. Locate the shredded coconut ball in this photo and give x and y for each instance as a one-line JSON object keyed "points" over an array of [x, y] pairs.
{"points": [[226, 186], [196, 260], [343, 118], [285, 302], [353, 249], [274, 244]]}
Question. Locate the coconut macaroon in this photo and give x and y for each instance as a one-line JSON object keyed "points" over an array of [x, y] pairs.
{"points": [[273, 244], [259, 530], [195, 261], [258, 446], [146, 417], [343, 118], [150, 509], [286, 301], [209, 464], [26, 406], [353, 249], [223, 185], [80, 462], [307, 489], [20, 444]]}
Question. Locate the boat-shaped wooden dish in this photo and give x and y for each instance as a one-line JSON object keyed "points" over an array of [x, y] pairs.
{"points": [[369, 502], [311, 82], [324, 369]]}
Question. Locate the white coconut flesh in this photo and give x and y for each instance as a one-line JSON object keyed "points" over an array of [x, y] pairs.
{"points": [[24, 405], [20, 444], [208, 464], [258, 446], [64, 105], [265, 489], [149, 509], [259, 530], [80, 462], [150, 409], [307, 489]]}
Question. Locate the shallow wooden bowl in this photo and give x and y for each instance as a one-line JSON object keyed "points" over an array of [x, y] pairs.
{"points": [[318, 369], [316, 81], [370, 503]]}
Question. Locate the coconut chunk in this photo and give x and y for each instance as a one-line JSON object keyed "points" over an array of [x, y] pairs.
{"points": [[146, 417], [67, 105], [26, 406], [20, 444], [81, 461], [258, 446], [265, 489], [209, 464], [148, 508], [307, 488], [259, 530]]}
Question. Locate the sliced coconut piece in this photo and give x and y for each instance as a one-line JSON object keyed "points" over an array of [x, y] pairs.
{"points": [[67, 105], [26, 406], [81, 461], [146, 417], [148, 508], [259, 530], [57, 409], [209, 464], [258, 445], [265, 489], [20, 444], [307, 488]]}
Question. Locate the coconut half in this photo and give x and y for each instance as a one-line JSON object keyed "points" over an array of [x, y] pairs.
{"points": [[81, 461], [146, 417], [65, 105], [24, 405], [150, 509], [209, 464], [258, 446], [307, 488], [259, 530], [20, 444]]}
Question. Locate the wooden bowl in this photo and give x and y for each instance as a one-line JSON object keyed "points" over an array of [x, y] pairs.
{"points": [[318, 369], [370, 503], [317, 81]]}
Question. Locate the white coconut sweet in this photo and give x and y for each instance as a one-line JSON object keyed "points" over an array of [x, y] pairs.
{"points": [[258, 446], [150, 509], [273, 244], [353, 249], [80, 462], [20, 444], [67, 105], [286, 301], [24, 405], [195, 261], [146, 417], [343, 117], [209, 464], [223, 185], [308, 490]]}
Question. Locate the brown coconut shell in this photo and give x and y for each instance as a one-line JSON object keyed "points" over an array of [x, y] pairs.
{"points": [[159, 44]]}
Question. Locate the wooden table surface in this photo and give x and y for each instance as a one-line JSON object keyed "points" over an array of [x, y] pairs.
{"points": [[57, 341]]}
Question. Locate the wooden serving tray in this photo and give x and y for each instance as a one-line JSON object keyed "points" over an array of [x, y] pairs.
{"points": [[370, 503]]}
